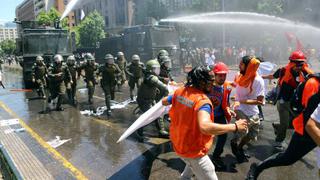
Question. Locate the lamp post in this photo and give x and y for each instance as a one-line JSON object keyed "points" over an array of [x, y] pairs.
{"points": [[223, 32]]}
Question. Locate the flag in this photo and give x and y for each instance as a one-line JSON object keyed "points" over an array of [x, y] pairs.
{"points": [[82, 15], [299, 45], [290, 36]]}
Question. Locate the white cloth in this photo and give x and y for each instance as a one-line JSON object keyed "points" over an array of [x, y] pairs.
{"points": [[266, 68], [210, 60], [243, 93], [316, 114]]}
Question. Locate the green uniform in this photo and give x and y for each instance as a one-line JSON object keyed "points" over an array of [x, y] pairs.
{"points": [[121, 79], [135, 72], [58, 75], [147, 94], [72, 87], [39, 74], [109, 72], [90, 78]]}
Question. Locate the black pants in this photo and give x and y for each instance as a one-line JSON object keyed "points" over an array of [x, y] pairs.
{"points": [[298, 147], [221, 140]]}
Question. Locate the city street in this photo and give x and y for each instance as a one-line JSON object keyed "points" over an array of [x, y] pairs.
{"points": [[92, 149]]}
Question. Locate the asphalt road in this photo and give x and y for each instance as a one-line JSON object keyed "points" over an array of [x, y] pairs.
{"points": [[93, 150]]}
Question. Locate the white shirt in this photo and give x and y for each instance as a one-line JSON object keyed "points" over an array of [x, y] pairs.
{"points": [[265, 68], [316, 114], [243, 93]]}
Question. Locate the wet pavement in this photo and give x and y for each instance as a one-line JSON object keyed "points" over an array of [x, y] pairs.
{"points": [[93, 149]]}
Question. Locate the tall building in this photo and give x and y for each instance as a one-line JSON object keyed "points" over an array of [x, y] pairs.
{"points": [[116, 13], [25, 11], [28, 10], [8, 33]]}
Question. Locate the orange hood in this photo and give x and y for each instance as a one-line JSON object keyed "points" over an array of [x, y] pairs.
{"points": [[251, 72]]}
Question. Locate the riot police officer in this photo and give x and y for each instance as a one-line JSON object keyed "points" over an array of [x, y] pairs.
{"points": [[165, 69], [135, 71], [122, 63], [148, 91], [58, 75], [161, 53], [90, 67], [39, 76], [71, 87], [109, 72]]}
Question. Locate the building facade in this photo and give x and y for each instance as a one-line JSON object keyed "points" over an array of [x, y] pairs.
{"points": [[8, 33], [116, 13], [25, 11], [28, 10]]}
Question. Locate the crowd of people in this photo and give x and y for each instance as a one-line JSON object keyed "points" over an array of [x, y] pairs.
{"points": [[201, 109]]}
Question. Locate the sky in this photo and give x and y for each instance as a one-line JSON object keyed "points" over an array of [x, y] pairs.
{"points": [[7, 9]]}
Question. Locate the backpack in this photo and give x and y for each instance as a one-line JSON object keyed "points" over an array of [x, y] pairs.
{"points": [[296, 99]]}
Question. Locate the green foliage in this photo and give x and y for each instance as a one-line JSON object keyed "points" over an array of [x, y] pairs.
{"points": [[50, 18], [8, 47], [91, 30], [273, 7]]}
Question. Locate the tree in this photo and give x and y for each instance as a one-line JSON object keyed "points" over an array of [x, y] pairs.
{"points": [[8, 46], [50, 18], [272, 7], [91, 30]]}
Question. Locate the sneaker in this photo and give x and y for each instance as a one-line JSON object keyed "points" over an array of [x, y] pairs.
{"points": [[241, 157], [59, 109], [108, 112], [252, 174], [218, 163], [278, 146]]}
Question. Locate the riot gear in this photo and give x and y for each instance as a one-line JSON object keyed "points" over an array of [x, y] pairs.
{"points": [[89, 57], [153, 66], [120, 54], [162, 52], [58, 58], [109, 59], [165, 61], [135, 57], [71, 60]]}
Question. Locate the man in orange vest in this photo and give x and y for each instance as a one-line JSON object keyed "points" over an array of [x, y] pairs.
{"points": [[219, 96], [192, 125], [301, 143], [289, 78]]}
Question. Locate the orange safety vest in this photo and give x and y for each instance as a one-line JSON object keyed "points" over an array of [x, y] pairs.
{"points": [[227, 88], [311, 87], [187, 139], [289, 79]]}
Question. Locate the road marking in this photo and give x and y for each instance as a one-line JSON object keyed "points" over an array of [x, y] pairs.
{"points": [[77, 173], [9, 122]]}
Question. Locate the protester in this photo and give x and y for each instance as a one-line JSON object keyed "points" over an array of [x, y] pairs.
{"points": [[249, 94], [192, 125]]}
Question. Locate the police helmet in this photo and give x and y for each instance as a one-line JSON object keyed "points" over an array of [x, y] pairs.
{"points": [[164, 59], [39, 58], [152, 64], [120, 54], [135, 57], [71, 59], [108, 56], [163, 52], [58, 58], [89, 57]]}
